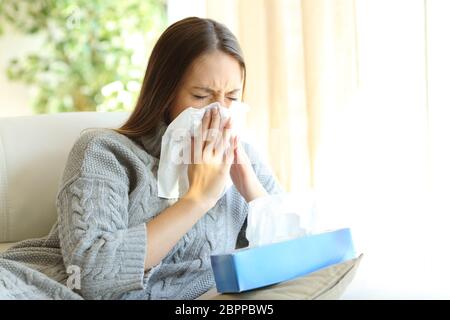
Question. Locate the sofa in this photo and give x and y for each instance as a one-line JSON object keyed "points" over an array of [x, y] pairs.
{"points": [[33, 152]]}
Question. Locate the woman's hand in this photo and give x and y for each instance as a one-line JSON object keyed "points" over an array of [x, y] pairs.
{"points": [[243, 175], [209, 168], [207, 178]]}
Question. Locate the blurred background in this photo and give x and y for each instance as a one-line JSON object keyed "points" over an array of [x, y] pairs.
{"points": [[349, 99]]}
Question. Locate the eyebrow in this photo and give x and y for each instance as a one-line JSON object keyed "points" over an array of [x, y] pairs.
{"points": [[212, 91]]}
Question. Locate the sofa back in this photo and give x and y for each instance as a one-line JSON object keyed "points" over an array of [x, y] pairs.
{"points": [[33, 153]]}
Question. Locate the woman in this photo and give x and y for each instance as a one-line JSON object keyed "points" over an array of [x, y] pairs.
{"points": [[127, 242]]}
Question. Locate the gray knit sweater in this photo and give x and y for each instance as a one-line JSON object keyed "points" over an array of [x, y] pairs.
{"points": [[107, 193]]}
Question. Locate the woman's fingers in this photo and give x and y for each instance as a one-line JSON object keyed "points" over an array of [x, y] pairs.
{"points": [[213, 130], [223, 142], [206, 121], [218, 146], [192, 150], [230, 146], [214, 127]]}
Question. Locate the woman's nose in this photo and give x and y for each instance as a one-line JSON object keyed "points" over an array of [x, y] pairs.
{"points": [[224, 102]]}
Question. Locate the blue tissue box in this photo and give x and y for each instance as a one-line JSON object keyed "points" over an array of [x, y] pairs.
{"points": [[251, 268]]}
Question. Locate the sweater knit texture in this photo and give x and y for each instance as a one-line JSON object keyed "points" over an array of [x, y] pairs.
{"points": [[107, 193]]}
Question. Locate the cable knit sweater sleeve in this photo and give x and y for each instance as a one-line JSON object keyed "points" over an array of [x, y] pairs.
{"points": [[263, 170], [268, 181], [94, 232]]}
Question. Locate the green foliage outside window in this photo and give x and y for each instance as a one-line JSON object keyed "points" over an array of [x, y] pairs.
{"points": [[93, 54]]}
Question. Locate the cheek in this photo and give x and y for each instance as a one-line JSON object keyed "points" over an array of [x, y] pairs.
{"points": [[175, 110], [183, 102]]}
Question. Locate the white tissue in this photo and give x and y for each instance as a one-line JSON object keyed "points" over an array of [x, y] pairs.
{"points": [[173, 179], [280, 217]]}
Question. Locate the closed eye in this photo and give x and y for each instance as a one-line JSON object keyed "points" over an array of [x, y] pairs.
{"points": [[204, 97], [199, 97]]}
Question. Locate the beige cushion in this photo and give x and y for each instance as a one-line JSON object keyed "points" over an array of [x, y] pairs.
{"points": [[33, 153], [325, 284]]}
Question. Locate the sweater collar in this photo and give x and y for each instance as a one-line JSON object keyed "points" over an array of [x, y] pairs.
{"points": [[152, 142]]}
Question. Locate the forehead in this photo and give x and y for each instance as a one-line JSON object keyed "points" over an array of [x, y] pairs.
{"points": [[216, 70]]}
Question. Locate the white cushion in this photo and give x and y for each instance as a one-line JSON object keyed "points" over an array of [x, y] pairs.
{"points": [[33, 153]]}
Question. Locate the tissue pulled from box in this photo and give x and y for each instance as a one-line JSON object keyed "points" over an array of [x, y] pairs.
{"points": [[279, 217], [175, 155]]}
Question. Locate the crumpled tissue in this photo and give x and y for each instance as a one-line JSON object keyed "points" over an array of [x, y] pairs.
{"points": [[279, 217], [173, 179]]}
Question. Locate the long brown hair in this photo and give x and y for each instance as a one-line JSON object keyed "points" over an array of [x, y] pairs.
{"points": [[179, 45]]}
